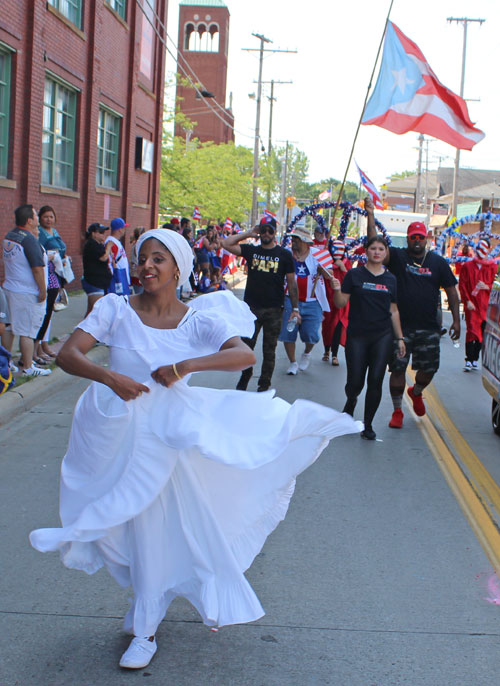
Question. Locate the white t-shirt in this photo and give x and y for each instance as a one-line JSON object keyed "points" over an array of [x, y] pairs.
{"points": [[22, 252]]}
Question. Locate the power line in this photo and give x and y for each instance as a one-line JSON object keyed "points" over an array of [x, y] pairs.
{"points": [[164, 43]]}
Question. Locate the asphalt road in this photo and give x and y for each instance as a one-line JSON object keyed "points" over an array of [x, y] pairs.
{"points": [[375, 578]]}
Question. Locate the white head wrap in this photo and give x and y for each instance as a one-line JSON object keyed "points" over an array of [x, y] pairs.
{"points": [[177, 245]]}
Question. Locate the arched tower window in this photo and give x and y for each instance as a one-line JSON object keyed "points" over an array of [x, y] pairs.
{"points": [[201, 38]]}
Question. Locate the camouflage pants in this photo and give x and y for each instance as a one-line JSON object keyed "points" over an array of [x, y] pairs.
{"points": [[269, 320]]}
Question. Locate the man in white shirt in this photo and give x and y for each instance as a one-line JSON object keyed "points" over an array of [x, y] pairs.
{"points": [[25, 284]]}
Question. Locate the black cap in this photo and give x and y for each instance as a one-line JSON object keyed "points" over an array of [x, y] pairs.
{"points": [[97, 227]]}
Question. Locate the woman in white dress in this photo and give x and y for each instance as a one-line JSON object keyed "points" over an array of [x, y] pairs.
{"points": [[170, 486]]}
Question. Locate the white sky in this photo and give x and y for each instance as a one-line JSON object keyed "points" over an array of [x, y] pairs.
{"points": [[337, 43]]}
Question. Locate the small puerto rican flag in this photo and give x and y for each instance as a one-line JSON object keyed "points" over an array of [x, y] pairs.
{"points": [[323, 257], [371, 188], [228, 225], [196, 214], [270, 215]]}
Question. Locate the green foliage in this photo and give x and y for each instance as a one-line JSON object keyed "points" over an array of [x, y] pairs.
{"points": [[403, 174], [216, 178]]}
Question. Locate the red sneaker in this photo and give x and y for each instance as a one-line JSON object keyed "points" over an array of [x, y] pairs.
{"points": [[397, 419], [418, 403]]}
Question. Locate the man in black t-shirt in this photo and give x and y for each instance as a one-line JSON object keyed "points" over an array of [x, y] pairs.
{"points": [[269, 266], [420, 275]]}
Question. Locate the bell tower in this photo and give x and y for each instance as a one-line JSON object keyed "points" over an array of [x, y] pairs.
{"points": [[203, 45]]}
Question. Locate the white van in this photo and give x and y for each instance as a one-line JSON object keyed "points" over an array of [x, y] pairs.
{"points": [[491, 354], [396, 224]]}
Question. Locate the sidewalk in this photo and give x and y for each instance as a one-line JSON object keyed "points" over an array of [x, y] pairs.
{"points": [[23, 397]]}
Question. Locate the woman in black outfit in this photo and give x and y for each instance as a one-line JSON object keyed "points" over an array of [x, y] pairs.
{"points": [[373, 324], [97, 273]]}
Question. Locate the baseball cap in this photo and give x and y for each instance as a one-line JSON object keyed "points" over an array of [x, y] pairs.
{"points": [[174, 220], [268, 222], [417, 227], [97, 227], [117, 223]]}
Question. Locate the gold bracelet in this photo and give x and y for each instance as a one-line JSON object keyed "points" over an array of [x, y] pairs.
{"points": [[176, 372]]}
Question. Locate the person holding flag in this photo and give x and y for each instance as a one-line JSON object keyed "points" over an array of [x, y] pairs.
{"points": [[420, 274]]}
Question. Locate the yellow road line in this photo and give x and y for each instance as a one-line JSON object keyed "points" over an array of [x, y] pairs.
{"points": [[469, 492]]}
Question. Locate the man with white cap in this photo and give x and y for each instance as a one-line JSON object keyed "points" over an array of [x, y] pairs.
{"points": [[475, 282], [420, 275], [312, 301]]}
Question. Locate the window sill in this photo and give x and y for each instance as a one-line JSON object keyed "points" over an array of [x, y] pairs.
{"points": [[66, 21], [55, 190], [116, 15], [146, 90], [8, 183], [108, 191], [141, 205]]}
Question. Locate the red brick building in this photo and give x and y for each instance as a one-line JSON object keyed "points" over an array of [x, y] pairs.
{"points": [[203, 45], [81, 109]]}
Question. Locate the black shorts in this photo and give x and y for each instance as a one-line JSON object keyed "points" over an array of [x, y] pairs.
{"points": [[423, 346]]}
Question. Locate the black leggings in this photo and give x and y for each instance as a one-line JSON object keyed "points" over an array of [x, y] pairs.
{"points": [[368, 352], [51, 298]]}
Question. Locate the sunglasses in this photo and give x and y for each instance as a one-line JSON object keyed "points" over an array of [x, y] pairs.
{"points": [[268, 230], [416, 237]]}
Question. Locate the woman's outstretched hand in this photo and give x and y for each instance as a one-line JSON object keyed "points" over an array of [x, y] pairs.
{"points": [[166, 376], [125, 387]]}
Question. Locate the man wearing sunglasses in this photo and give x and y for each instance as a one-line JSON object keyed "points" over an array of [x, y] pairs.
{"points": [[420, 275], [269, 265]]}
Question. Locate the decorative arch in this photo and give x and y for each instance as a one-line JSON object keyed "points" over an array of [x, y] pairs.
{"points": [[453, 231], [202, 37]]}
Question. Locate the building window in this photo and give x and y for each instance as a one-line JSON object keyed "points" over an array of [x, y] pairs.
{"points": [[71, 9], [108, 141], [119, 6], [4, 111], [201, 38], [58, 135]]}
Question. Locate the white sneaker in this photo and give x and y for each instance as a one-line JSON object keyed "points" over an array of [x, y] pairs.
{"points": [[36, 371], [467, 366], [305, 361], [293, 368], [475, 365], [13, 368], [139, 653]]}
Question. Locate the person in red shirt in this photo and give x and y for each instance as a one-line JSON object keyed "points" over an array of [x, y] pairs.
{"points": [[334, 326], [476, 279]]}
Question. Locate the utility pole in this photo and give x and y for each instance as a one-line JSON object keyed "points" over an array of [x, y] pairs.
{"points": [[418, 191], [271, 99], [261, 50], [284, 172], [464, 21]]}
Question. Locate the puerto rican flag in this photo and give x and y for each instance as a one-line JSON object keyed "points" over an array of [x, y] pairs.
{"points": [[270, 215], [196, 214], [325, 195], [228, 225], [371, 188], [323, 257], [408, 96]]}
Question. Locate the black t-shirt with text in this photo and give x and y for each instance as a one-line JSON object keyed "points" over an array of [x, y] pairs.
{"points": [[419, 283], [370, 301], [95, 271], [266, 275]]}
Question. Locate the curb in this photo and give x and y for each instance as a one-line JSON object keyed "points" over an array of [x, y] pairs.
{"points": [[18, 401]]}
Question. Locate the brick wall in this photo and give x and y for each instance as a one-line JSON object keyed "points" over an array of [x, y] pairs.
{"points": [[102, 62]]}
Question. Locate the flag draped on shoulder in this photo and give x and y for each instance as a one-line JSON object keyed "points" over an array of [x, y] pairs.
{"points": [[408, 96], [371, 188], [196, 214]]}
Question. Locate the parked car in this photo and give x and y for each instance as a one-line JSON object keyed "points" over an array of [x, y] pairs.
{"points": [[491, 354]]}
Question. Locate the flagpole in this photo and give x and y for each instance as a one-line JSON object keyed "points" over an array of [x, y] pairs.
{"points": [[360, 119]]}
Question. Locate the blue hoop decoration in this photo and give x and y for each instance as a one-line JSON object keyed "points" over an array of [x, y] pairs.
{"points": [[452, 232], [347, 210]]}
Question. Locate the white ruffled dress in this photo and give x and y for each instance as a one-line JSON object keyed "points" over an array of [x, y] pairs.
{"points": [[175, 492]]}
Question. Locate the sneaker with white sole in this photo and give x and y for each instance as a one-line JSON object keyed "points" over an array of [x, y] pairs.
{"points": [[36, 371], [13, 368], [475, 365], [305, 361], [467, 366], [139, 653], [293, 369]]}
